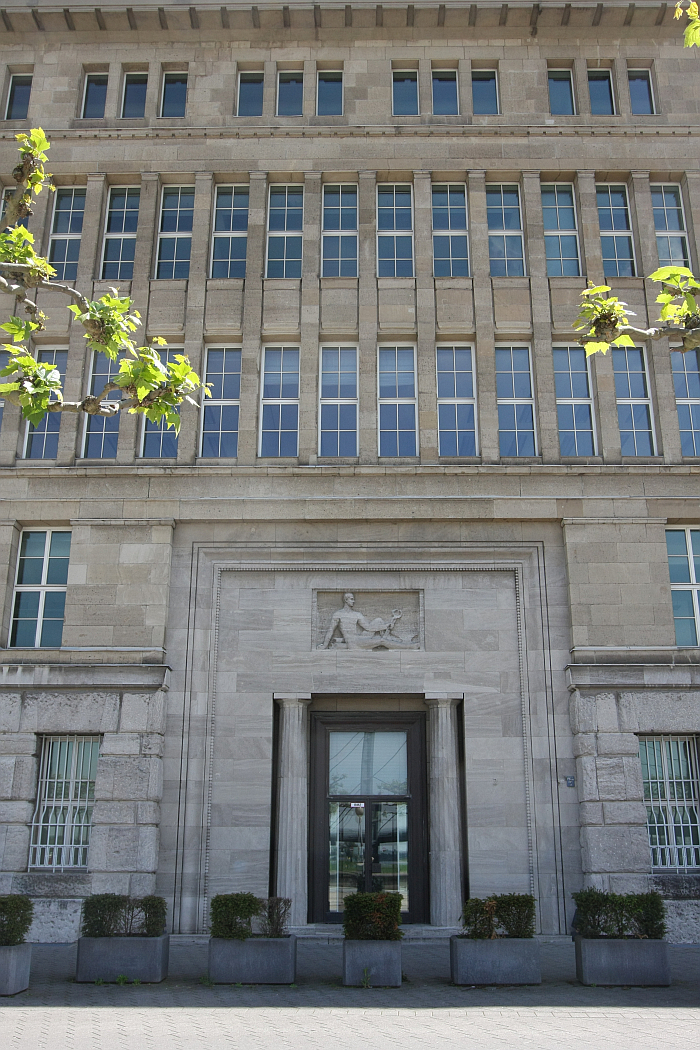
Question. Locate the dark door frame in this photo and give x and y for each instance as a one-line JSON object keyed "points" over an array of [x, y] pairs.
{"points": [[414, 722]]}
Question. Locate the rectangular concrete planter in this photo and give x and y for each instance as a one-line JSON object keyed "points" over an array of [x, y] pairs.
{"points": [[136, 958], [607, 960], [15, 963], [257, 960], [505, 960], [373, 964]]}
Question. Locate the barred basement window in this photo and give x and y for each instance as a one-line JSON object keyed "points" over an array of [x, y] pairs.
{"points": [[40, 589], [671, 793], [65, 799]]}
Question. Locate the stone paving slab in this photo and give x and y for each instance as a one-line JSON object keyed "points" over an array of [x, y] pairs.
{"points": [[426, 1012]]}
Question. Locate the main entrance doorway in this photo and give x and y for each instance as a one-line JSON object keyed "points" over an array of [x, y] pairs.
{"points": [[368, 826]]}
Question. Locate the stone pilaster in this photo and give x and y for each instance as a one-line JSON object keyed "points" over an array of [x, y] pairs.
{"points": [[483, 318], [425, 313], [367, 246], [252, 319], [293, 804], [444, 808]]}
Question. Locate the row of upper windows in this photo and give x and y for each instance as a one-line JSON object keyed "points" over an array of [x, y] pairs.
{"points": [[444, 101], [394, 231], [398, 432]]}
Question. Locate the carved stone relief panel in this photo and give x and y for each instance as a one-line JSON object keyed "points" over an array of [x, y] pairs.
{"points": [[362, 620]]}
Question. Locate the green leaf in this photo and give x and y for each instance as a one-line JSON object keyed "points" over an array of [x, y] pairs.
{"points": [[666, 273], [595, 348], [623, 340]]}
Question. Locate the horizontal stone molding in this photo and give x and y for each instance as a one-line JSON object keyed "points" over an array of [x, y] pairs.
{"points": [[57, 677]]}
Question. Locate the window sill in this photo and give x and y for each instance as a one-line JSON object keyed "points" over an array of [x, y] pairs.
{"points": [[340, 282], [396, 282]]}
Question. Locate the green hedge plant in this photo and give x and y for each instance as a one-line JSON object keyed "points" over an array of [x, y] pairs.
{"points": [[16, 913], [620, 915], [117, 915], [372, 917], [273, 916], [501, 915], [232, 915]]}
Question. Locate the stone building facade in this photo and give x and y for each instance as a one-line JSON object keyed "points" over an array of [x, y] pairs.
{"points": [[395, 609]]}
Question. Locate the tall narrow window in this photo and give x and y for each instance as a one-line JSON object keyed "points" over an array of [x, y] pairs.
{"points": [[615, 231], [42, 439], [516, 405], [250, 94], [683, 546], [290, 94], [686, 381], [672, 797], [397, 401], [450, 244], [65, 799], [456, 402], [285, 222], [102, 432], [338, 431], [339, 231], [405, 94], [40, 589], [669, 223], [561, 92], [329, 94], [394, 231], [174, 100], [279, 427], [506, 255], [175, 237], [445, 97], [484, 92], [641, 93], [633, 401], [18, 97], [4, 359], [95, 96], [220, 413], [120, 234], [134, 101], [560, 233], [230, 241], [574, 402], [159, 440], [66, 231], [601, 92]]}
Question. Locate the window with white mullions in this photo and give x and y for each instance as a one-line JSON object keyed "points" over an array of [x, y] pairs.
{"points": [[506, 254], [683, 547], [394, 231], [66, 231], [560, 231], [633, 401], [175, 237], [516, 404], [669, 222], [686, 382], [456, 401], [40, 589], [338, 407], [102, 432], [450, 244], [230, 240], [160, 440], [615, 231], [397, 401], [572, 383], [279, 416], [285, 223], [672, 797], [339, 231], [65, 799], [221, 410], [120, 233], [41, 440]]}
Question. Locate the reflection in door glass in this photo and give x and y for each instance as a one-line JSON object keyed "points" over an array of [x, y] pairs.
{"points": [[390, 849], [347, 852], [368, 764]]}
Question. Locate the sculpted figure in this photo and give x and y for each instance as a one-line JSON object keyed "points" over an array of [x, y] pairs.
{"points": [[357, 632]]}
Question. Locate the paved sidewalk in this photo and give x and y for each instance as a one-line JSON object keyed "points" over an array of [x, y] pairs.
{"points": [[426, 1013]]}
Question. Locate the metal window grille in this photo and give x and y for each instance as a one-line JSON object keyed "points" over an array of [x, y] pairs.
{"points": [[230, 240], [66, 231], [506, 256], [485, 92], [18, 98], [445, 94], [40, 589], [65, 799], [634, 413], [394, 231], [574, 402], [516, 404], [120, 233], [561, 247], [290, 94], [686, 381], [671, 793], [456, 401], [404, 93], [41, 440], [683, 547], [220, 414], [641, 91], [601, 92], [102, 432], [279, 427], [615, 231], [561, 92], [338, 401], [397, 401], [285, 223], [669, 223], [160, 440], [339, 231], [450, 238], [175, 237], [250, 94]]}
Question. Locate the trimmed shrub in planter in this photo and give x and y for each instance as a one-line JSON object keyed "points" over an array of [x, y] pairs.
{"points": [[123, 937], [16, 912], [497, 946], [619, 938], [372, 945], [238, 954]]}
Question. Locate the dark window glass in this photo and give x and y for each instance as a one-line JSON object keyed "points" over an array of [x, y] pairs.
{"points": [[600, 90], [484, 91], [445, 93], [405, 94], [95, 96], [640, 91], [174, 95], [250, 94], [135, 85], [290, 94], [18, 99], [330, 94], [561, 93]]}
